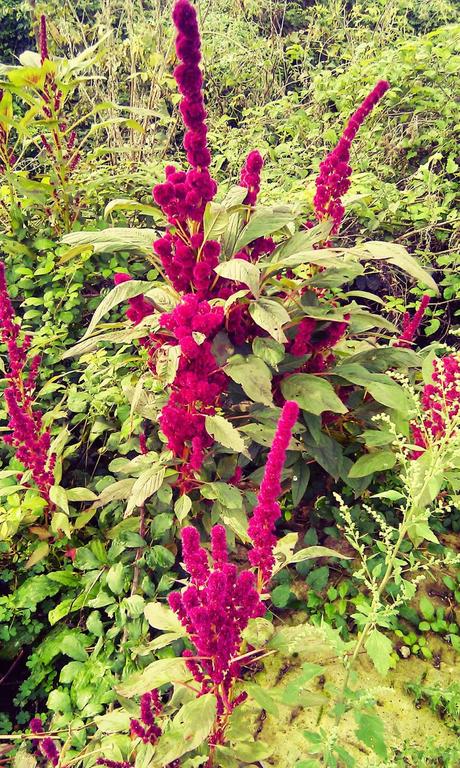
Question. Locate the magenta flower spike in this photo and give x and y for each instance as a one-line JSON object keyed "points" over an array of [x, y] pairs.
{"points": [[440, 402], [333, 180], [412, 324], [28, 436], [43, 39], [267, 510], [250, 176]]}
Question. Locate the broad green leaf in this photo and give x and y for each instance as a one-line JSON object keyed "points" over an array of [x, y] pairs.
{"points": [[114, 239], [258, 632], [80, 494], [269, 350], [59, 498], [116, 578], [113, 722], [225, 433], [300, 480], [253, 375], [300, 244], [160, 616], [427, 609], [156, 674], [270, 315], [117, 295], [228, 495], [125, 204], [182, 507], [73, 646], [311, 553], [145, 485], [234, 197], [241, 272], [379, 649], [373, 462], [262, 223], [41, 550], [371, 732], [215, 221], [62, 609], [189, 728], [398, 256], [312, 393], [263, 697], [390, 394]]}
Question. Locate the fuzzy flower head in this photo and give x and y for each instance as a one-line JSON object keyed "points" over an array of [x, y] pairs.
{"points": [[335, 171], [267, 510], [250, 176], [215, 609]]}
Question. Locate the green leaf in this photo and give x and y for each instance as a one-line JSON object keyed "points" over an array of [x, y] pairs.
{"points": [[156, 674], [269, 350], [280, 595], [253, 375], [215, 221], [61, 610], [116, 578], [390, 394], [427, 609], [80, 494], [264, 698], [373, 462], [241, 272], [117, 295], [160, 616], [311, 553], [312, 393], [125, 204], [371, 732], [114, 239], [379, 649], [160, 557], [398, 256], [228, 495], [270, 315], [225, 433], [262, 223], [182, 507], [33, 591], [41, 550], [73, 647], [58, 496], [300, 481], [116, 721], [189, 728], [146, 484]]}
